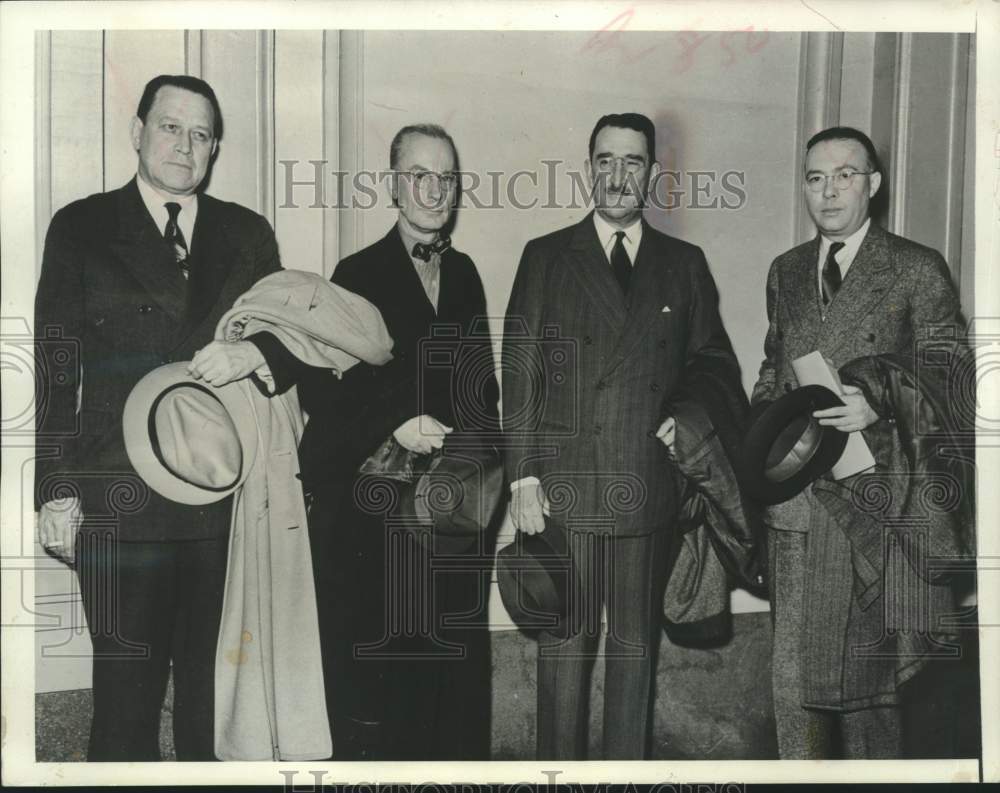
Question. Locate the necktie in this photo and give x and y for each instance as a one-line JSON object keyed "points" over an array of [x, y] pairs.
{"points": [[175, 237], [831, 273], [620, 262], [424, 250]]}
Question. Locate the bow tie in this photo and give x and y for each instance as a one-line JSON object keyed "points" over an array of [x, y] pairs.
{"points": [[424, 250]]}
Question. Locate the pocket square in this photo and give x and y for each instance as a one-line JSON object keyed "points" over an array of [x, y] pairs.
{"points": [[665, 310]]}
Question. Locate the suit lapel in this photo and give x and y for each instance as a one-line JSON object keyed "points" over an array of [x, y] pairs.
{"points": [[805, 303], [590, 267], [864, 287], [410, 285], [139, 245], [651, 266], [211, 260]]}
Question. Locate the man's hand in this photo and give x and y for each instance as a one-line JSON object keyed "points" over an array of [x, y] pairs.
{"points": [[421, 434], [58, 522], [528, 506], [667, 434], [855, 414], [222, 362]]}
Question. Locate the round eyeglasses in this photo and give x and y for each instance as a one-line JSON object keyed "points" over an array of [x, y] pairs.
{"points": [[816, 182], [424, 180]]}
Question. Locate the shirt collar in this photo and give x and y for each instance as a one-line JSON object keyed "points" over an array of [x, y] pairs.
{"points": [[850, 249], [606, 232], [156, 201], [411, 236]]}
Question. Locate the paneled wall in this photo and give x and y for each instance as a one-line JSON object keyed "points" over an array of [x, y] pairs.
{"points": [[300, 106]]}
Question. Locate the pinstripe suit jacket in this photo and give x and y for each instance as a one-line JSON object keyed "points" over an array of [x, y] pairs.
{"points": [[588, 375]]}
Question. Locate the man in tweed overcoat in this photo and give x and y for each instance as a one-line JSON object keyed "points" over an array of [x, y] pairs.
{"points": [[854, 290]]}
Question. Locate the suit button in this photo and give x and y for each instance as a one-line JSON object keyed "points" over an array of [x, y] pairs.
{"points": [[654, 387], [650, 433], [145, 309], [597, 429], [871, 337], [788, 388], [587, 340], [663, 344], [601, 385]]}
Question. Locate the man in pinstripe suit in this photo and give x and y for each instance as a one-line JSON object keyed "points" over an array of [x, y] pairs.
{"points": [[854, 290], [637, 310]]}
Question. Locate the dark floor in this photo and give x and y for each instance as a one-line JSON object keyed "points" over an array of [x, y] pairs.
{"points": [[711, 704]]}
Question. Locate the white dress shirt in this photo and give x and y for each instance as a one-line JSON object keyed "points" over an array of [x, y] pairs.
{"points": [[156, 205], [606, 234], [844, 257]]}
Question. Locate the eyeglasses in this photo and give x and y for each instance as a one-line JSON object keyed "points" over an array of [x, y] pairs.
{"points": [[608, 164], [423, 180], [842, 180]]}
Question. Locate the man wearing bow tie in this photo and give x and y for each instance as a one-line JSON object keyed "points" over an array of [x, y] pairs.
{"points": [[853, 291], [139, 277], [589, 440], [406, 655]]}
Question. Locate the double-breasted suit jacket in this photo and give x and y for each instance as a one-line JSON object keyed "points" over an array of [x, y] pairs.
{"points": [[588, 374], [893, 293], [110, 287], [587, 379], [894, 289], [112, 305]]}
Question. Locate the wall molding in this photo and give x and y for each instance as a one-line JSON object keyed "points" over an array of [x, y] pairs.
{"points": [[331, 149], [193, 53], [820, 66], [265, 120], [899, 162], [352, 132], [955, 186], [43, 140]]}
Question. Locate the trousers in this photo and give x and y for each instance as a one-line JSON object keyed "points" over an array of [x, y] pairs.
{"points": [[624, 577], [151, 607], [808, 733]]}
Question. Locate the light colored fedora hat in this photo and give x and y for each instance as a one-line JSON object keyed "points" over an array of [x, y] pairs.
{"points": [[191, 442]]}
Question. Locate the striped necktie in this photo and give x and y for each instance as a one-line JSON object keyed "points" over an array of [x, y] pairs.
{"points": [[175, 237]]}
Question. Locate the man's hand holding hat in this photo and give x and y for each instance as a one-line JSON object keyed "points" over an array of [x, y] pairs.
{"points": [[222, 362], [854, 415]]}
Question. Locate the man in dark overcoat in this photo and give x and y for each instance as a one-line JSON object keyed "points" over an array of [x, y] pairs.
{"points": [[402, 619]]}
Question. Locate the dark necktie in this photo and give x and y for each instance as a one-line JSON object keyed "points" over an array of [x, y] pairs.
{"points": [[831, 273], [424, 250], [620, 262], [175, 237]]}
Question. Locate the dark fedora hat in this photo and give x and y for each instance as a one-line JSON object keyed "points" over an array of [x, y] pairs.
{"points": [[786, 448], [448, 499], [539, 583], [461, 488]]}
